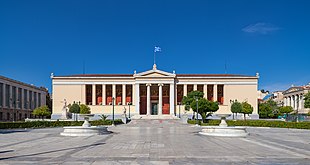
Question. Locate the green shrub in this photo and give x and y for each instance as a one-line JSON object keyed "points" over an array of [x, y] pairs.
{"points": [[44, 124], [259, 123]]}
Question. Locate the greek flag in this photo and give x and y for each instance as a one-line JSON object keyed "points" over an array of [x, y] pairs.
{"points": [[157, 49]]}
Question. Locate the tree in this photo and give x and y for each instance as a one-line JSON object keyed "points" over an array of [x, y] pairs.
{"points": [[205, 107], [187, 100], [246, 109], [84, 109], [286, 110], [236, 107], [264, 110], [41, 111], [307, 100], [74, 108]]}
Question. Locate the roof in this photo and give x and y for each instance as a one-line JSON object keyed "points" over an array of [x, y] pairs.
{"points": [[178, 75]]}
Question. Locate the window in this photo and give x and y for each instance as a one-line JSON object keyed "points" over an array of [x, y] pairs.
{"points": [[14, 103], [1, 95], [220, 94], [25, 99], [89, 93], [200, 88], [39, 99], [19, 98], [7, 96], [179, 93], [129, 94], [34, 99], [30, 100], [98, 94], [210, 92], [190, 88]]}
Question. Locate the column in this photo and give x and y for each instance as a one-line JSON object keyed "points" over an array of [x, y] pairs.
{"points": [[160, 99], [22, 101], [133, 92], [148, 99], [171, 97], [205, 91], [300, 102], [4, 96], [215, 92], [195, 87], [185, 90], [291, 100], [295, 102], [284, 101], [104, 94], [114, 93], [124, 94], [94, 94], [137, 98]]}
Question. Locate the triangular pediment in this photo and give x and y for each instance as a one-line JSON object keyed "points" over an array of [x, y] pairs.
{"points": [[154, 73], [292, 89]]}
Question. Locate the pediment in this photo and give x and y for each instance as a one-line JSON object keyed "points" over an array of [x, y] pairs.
{"points": [[292, 89], [155, 73]]}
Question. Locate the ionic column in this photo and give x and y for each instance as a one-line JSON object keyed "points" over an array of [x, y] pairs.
{"points": [[114, 93], [284, 101], [215, 92], [185, 90], [195, 87], [160, 99], [136, 98], [94, 94], [124, 94], [148, 99], [171, 97], [205, 91], [104, 94]]}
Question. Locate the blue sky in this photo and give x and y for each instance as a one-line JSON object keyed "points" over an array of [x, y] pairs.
{"points": [[114, 36]]}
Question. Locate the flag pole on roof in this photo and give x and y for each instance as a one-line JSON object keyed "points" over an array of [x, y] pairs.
{"points": [[156, 49]]}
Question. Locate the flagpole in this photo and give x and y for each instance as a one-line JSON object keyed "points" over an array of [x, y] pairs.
{"points": [[154, 57]]}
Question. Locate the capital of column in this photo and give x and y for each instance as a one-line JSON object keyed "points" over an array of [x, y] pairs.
{"points": [[160, 84], [148, 84]]}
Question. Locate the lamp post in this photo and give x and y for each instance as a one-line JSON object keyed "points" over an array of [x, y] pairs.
{"points": [[179, 109], [113, 111], [197, 110], [129, 104]]}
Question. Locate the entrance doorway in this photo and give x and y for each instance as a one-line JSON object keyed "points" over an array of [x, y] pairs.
{"points": [[154, 109]]}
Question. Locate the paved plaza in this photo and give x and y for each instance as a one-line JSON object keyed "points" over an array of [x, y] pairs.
{"points": [[154, 142]]}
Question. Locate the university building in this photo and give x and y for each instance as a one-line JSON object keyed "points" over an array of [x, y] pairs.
{"points": [[18, 99], [150, 93], [294, 97]]}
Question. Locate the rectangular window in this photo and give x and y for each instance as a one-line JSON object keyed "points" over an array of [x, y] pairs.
{"points": [[98, 94], [220, 94], [14, 96], [179, 93], [108, 94], [35, 99], [39, 99], [129, 94], [210, 92], [7, 96], [118, 95], [30, 100], [89, 94], [25, 99], [19, 103], [200, 88], [190, 88], [1, 95]]}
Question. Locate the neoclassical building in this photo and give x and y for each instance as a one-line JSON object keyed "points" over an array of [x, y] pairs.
{"points": [[294, 97], [18, 99], [153, 92]]}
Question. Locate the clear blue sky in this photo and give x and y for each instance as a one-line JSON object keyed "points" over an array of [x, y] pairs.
{"points": [[112, 36]]}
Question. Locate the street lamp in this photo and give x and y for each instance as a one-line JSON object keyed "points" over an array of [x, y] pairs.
{"points": [[113, 111], [179, 109], [197, 110], [129, 104]]}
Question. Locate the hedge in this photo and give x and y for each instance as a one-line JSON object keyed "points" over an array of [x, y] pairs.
{"points": [[258, 123], [44, 124]]}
